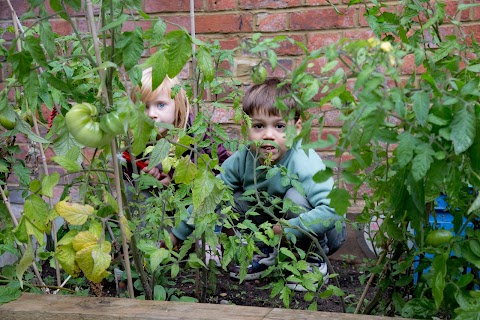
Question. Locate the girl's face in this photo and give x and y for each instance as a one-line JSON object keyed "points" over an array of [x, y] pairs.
{"points": [[161, 109]]}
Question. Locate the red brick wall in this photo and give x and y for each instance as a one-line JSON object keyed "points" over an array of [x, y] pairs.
{"points": [[311, 22]]}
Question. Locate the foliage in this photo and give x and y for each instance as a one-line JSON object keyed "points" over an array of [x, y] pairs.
{"points": [[415, 134]]}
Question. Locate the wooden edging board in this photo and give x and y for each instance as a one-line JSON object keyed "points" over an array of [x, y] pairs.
{"points": [[45, 307]]}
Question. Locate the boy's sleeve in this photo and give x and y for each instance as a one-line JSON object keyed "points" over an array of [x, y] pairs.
{"points": [[184, 229], [322, 217]]}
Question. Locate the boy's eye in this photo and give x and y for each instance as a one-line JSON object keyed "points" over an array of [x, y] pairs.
{"points": [[257, 126], [280, 125]]}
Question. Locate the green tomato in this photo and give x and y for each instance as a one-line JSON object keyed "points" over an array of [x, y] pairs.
{"points": [[82, 126], [7, 124], [436, 238], [259, 75], [113, 123]]}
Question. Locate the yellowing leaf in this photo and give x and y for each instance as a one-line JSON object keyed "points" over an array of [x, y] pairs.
{"points": [[67, 238], [84, 239], [108, 198], [126, 228], [75, 213], [25, 262], [94, 261], [66, 257]]}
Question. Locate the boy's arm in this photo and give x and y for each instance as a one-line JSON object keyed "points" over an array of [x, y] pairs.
{"points": [[321, 217]]}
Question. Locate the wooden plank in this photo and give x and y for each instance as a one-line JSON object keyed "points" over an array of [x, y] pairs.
{"points": [[46, 307]]}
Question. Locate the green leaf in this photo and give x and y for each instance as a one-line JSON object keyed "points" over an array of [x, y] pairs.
{"points": [[159, 293], [474, 68], [37, 211], [47, 38], [22, 173], [421, 106], [310, 91], [157, 256], [185, 171], [66, 163], [463, 129], [159, 153], [179, 51], [404, 150], [25, 262], [422, 161], [272, 58], [117, 22], [323, 175], [339, 200], [419, 308], [160, 65], [8, 294], [21, 63], [75, 213], [445, 48], [475, 205], [438, 279], [207, 192], [158, 32], [33, 46], [48, 183], [132, 48], [205, 63]]}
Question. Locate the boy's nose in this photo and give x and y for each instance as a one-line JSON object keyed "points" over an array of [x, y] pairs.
{"points": [[268, 134]]}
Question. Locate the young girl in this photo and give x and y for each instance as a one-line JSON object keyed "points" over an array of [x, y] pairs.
{"points": [[160, 107]]}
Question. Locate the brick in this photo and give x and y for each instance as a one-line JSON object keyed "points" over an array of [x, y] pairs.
{"points": [[272, 22], [220, 5], [61, 27], [280, 72], [221, 115], [290, 49], [408, 65], [273, 4], [319, 40], [359, 34], [320, 2], [173, 21], [7, 36], [225, 23], [451, 10], [20, 7], [324, 18], [154, 6], [131, 25]]}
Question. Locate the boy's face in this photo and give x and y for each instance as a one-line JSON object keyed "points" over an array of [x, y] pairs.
{"points": [[270, 130], [161, 109]]}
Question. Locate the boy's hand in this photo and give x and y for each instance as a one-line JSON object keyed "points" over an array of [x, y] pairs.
{"points": [[175, 242], [277, 229], [159, 175]]}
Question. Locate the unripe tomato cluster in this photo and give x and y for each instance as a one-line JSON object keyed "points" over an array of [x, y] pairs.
{"points": [[83, 126]]}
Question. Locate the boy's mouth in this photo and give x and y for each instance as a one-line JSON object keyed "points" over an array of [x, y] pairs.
{"points": [[268, 148]]}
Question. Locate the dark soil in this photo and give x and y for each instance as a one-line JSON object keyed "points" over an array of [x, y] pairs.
{"points": [[257, 292], [253, 293]]}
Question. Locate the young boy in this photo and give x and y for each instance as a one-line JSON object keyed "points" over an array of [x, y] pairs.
{"points": [[268, 147]]}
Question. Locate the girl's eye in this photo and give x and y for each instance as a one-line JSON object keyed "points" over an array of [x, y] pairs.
{"points": [[160, 105]]}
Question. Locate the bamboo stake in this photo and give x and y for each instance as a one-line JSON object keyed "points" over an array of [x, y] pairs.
{"points": [[113, 145]]}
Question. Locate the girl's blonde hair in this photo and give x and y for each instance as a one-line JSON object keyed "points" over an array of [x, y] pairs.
{"points": [[182, 107]]}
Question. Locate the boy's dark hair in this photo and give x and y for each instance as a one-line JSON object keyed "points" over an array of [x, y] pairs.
{"points": [[261, 98]]}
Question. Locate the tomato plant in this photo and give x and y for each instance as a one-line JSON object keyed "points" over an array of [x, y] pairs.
{"points": [[7, 124]]}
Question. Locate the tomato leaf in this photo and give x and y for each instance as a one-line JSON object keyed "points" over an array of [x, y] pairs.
{"points": [[25, 262], [438, 279], [48, 183], [74, 213], [421, 105], [463, 129], [179, 51]]}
